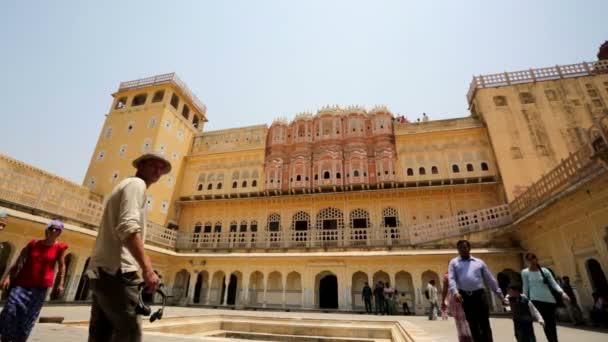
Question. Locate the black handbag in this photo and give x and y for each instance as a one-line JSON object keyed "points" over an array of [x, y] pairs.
{"points": [[557, 295]]}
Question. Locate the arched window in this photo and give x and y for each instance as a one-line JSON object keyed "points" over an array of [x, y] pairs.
{"points": [[139, 100], [316, 177], [326, 175], [470, 167], [338, 176], [298, 178], [158, 96], [174, 101], [197, 227], [410, 172], [484, 166], [234, 184], [219, 186], [218, 227], [356, 173], [243, 226], [274, 222], [186, 112], [200, 187], [455, 168], [210, 186], [244, 185], [434, 170], [207, 228], [422, 171], [390, 217], [254, 183]]}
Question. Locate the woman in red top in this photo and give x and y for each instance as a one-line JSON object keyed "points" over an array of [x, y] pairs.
{"points": [[29, 280]]}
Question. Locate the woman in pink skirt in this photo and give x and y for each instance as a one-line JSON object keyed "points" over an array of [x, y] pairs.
{"points": [[455, 309]]}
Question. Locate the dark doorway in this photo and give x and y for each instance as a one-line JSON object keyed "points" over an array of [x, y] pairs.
{"points": [[82, 292], [359, 223], [232, 290], [197, 288], [599, 283], [328, 292]]}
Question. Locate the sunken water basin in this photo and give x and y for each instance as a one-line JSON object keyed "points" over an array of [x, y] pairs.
{"points": [[284, 329]]}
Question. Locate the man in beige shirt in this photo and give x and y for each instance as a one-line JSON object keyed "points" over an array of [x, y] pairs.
{"points": [[119, 256]]}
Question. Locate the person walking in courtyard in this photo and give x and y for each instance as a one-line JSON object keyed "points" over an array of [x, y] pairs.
{"points": [[432, 296], [379, 297], [403, 300], [538, 287], [467, 277], [28, 281], [119, 256], [451, 305], [574, 310], [389, 301], [366, 294], [524, 314], [3, 219]]}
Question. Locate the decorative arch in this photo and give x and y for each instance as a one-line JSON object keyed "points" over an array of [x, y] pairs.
{"points": [[274, 289], [326, 290], [256, 288], [429, 275], [201, 287], [381, 276], [358, 281], [180, 285], [330, 226], [218, 287]]}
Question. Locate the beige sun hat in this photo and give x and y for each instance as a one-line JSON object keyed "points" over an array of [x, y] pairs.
{"points": [[153, 155]]}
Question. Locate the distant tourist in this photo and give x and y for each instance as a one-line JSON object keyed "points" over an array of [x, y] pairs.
{"points": [[379, 297], [119, 255], [389, 300], [3, 219], [524, 314], [538, 287], [454, 307], [576, 315], [28, 281], [599, 311], [425, 118], [468, 277], [366, 294], [432, 297]]}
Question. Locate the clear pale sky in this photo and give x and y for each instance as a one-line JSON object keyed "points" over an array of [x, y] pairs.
{"points": [[253, 61]]}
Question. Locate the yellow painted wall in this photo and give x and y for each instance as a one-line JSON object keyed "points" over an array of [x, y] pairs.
{"points": [[529, 139]]}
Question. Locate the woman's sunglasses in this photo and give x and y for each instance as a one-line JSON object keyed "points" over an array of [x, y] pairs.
{"points": [[53, 229]]}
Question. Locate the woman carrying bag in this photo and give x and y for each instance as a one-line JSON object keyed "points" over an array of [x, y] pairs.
{"points": [[28, 281], [542, 289]]}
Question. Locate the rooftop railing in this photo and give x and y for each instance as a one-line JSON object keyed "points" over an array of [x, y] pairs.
{"points": [[162, 79], [534, 75]]}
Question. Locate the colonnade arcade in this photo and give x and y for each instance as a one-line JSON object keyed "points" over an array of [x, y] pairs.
{"points": [[317, 287]]}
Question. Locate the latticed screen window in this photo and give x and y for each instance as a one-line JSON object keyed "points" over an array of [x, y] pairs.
{"points": [[273, 226], [359, 223]]}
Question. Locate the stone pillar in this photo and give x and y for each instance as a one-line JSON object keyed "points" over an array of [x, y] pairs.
{"points": [[265, 287], [284, 301], [192, 283], [419, 300], [209, 284], [78, 273], [226, 284], [245, 289]]}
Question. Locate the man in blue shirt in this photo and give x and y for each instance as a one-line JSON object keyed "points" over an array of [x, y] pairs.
{"points": [[467, 278]]}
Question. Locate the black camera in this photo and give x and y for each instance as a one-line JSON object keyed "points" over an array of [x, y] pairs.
{"points": [[143, 309]]}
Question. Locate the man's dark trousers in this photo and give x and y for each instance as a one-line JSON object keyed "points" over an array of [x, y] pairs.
{"points": [[477, 311], [368, 304], [379, 305]]}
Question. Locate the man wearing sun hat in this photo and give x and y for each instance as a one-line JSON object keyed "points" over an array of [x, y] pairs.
{"points": [[119, 261]]}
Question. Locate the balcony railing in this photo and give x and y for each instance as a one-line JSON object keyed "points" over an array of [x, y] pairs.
{"points": [[571, 170], [533, 75], [460, 225], [47, 193]]}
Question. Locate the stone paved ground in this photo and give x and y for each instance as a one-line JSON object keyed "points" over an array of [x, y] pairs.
{"points": [[440, 331]]}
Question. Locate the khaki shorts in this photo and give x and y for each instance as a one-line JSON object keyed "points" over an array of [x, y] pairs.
{"points": [[113, 315]]}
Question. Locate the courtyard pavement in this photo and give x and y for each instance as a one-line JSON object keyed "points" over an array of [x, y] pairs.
{"points": [[440, 331]]}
